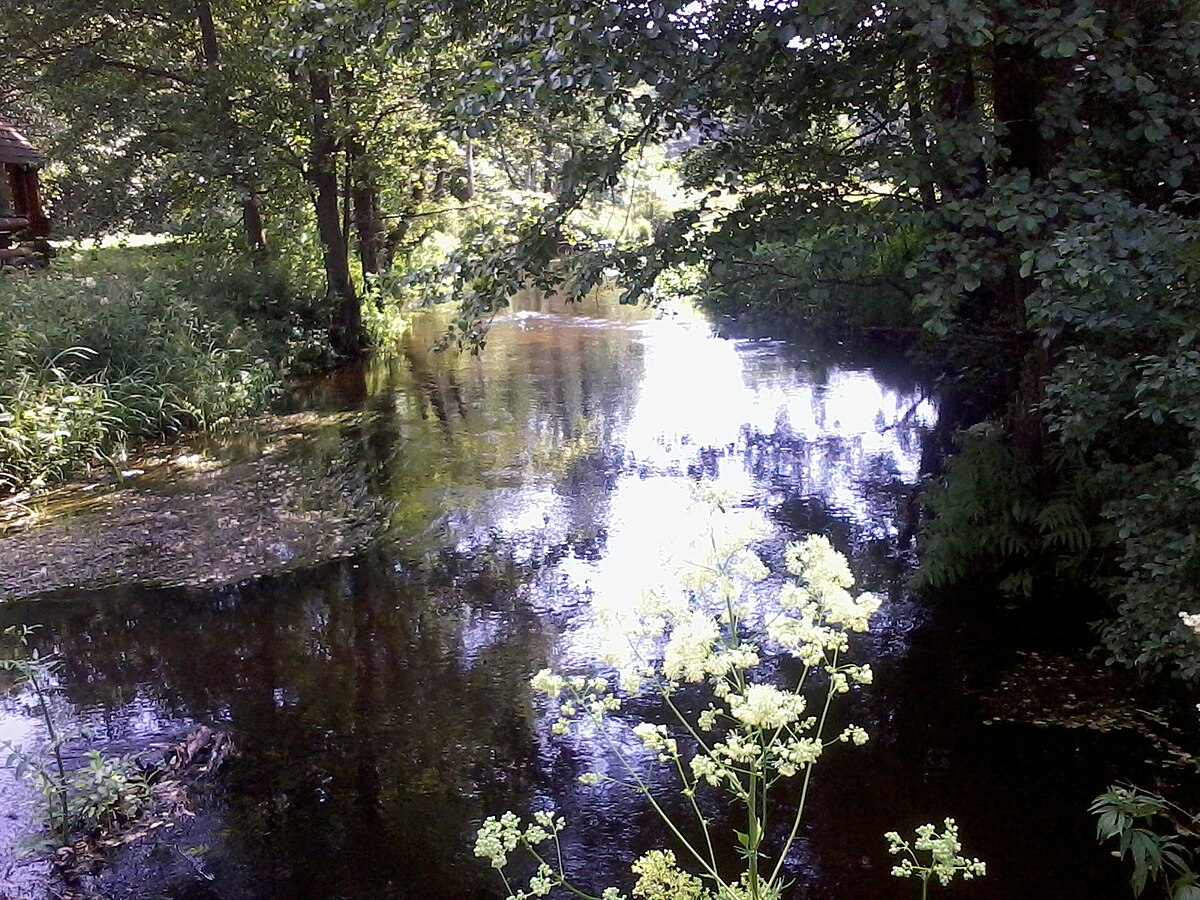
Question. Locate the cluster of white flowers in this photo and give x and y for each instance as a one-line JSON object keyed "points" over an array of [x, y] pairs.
{"points": [[500, 836], [706, 768], [660, 878], [692, 632], [658, 739], [795, 754], [807, 640], [737, 748], [766, 706], [945, 859], [689, 651], [855, 735], [818, 566], [592, 695]]}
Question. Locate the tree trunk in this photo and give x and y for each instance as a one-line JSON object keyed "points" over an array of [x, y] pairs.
{"points": [[365, 196], [919, 133], [244, 182], [954, 75], [1022, 80], [346, 332]]}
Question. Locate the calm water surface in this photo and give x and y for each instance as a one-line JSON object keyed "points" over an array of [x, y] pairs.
{"points": [[380, 704]]}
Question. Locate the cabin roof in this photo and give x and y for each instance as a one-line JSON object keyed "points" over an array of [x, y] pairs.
{"points": [[15, 147]]}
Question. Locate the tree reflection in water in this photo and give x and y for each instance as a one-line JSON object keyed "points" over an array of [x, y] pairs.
{"points": [[381, 703]]}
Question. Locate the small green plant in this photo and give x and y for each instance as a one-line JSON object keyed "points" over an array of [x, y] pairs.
{"points": [[99, 794], [1159, 857], [105, 791], [752, 742], [932, 855], [44, 766]]}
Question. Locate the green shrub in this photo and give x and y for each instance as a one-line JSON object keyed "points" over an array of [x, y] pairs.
{"points": [[110, 348]]}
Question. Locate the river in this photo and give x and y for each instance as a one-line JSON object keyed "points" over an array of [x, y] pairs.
{"points": [[380, 704]]}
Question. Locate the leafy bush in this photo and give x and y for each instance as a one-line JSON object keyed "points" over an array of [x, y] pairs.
{"points": [[1115, 311], [114, 347], [837, 273], [1129, 816], [994, 519]]}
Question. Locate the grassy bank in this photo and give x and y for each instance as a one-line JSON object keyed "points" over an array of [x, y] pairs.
{"points": [[116, 345]]}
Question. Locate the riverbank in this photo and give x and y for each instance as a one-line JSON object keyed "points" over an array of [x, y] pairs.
{"points": [[117, 345], [200, 514]]}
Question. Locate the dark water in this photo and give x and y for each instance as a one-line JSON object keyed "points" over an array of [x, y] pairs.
{"points": [[381, 705]]}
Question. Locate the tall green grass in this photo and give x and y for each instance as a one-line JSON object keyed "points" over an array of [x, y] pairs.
{"points": [[119, 345]]}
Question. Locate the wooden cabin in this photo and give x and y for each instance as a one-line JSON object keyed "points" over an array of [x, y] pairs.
{"points": [[24, 225]]}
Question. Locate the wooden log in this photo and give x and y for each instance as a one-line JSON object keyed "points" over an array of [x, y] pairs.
{"points": [[13, 223], [17, 253]]}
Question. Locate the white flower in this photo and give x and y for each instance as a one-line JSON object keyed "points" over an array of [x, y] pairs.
{"points": [[860, 674], [653, 737], [794, 754], [707, 768], [944, 851], [820, 566], [546, 682], [854, 734], [749, 567], [737, 749], [853, 614], [765, 706], [497, 838], [541, 883], [688, 653]]}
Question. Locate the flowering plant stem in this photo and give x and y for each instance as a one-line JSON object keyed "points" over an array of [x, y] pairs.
{"points": [[710, 629]]}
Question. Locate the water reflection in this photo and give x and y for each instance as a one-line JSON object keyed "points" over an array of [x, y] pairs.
{"points": [[381, 705]]}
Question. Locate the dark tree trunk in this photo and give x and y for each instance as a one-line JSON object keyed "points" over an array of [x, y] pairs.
{"points": [[953, 73], [1022, 81], [252, 224], [365, 196], [919, 133], [244, 182], [346, 332]]}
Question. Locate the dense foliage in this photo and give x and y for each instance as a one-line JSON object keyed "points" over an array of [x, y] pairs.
{"points": [[1017, 179], [118, 345], [311, 133]]}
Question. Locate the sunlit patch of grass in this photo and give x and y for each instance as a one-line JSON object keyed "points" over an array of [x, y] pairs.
{"points": [[121, 343]]}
